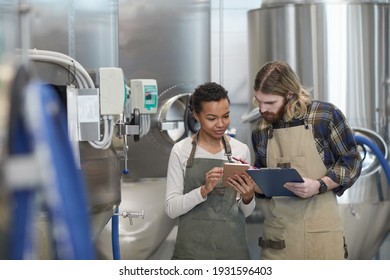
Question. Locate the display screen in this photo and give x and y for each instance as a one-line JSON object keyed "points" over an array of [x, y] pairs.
{"points": [[150, 97]]}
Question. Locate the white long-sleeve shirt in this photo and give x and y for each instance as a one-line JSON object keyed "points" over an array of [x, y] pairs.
{"points": [[177, 203]]}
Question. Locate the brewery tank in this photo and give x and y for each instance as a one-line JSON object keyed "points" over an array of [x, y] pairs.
{"points": [[88, 33], [168, 41], [340, 49]]}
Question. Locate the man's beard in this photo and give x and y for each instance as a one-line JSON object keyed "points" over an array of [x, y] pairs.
{"points": [[273, 118]]}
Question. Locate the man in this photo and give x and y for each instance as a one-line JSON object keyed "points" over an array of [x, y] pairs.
{"points": [[314, 138]]}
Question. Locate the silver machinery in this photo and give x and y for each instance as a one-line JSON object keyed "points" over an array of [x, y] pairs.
{"points": [[122, 151], [171, 44], [340, 49], [101, 107]]}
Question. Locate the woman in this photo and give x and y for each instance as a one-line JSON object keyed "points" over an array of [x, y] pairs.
{"points": [[211, 217]]}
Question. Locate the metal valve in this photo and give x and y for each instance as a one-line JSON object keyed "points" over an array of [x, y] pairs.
{"points": [[354, 211], [125, 127], [133, 214]]}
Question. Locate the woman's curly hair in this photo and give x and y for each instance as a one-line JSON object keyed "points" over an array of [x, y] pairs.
{"points": [[207, 92]]}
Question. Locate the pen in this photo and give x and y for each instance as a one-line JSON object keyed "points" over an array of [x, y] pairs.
{"points": [[244, 162]]}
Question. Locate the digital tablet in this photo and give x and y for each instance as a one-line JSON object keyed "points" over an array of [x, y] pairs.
{"points": [[231, 168], [271, 180]]}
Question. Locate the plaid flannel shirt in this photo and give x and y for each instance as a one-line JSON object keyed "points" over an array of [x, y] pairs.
{"points": [[334, 140]]}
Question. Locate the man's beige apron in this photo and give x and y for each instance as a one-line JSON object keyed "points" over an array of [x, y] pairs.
{"points": [[215, 228], [300, 228]]}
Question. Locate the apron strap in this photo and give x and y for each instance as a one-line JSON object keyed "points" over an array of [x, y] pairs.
{"points": [[190, 160], [306, 122], [228, 149], [273, 244], [270, 131]]}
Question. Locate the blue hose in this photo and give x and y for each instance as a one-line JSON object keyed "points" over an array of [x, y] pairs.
{"points": [[21, 233], [22, 199], [375, 149], [115, 235], [41, 119], [66, 192]]}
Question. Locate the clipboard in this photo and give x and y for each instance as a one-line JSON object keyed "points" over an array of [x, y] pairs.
{"points": [[231, 168], [271, 180]]}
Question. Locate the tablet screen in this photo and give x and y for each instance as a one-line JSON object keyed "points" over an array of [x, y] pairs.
{"points": [[231, 168]]}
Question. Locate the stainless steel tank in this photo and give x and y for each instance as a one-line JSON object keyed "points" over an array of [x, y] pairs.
{"points": [[88, 32], [341, 50], [168, 41]]}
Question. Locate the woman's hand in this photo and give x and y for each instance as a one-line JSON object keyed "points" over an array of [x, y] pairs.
{"points": [[244, 184], [212, 179]]}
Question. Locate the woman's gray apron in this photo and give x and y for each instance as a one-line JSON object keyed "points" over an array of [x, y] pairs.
{"points": [[215, 228], [300, 228]]}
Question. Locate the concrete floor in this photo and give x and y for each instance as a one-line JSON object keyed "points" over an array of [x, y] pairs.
{"points": [[384, 250], [164, 252]]}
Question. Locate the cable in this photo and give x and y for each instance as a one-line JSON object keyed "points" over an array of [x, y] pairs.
{"points": [[83, 80], [111, 129], [105, 143], [65, 60], [144, 124]]}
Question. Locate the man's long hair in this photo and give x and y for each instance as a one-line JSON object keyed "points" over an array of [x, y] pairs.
{"points": [[277, 77]]}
